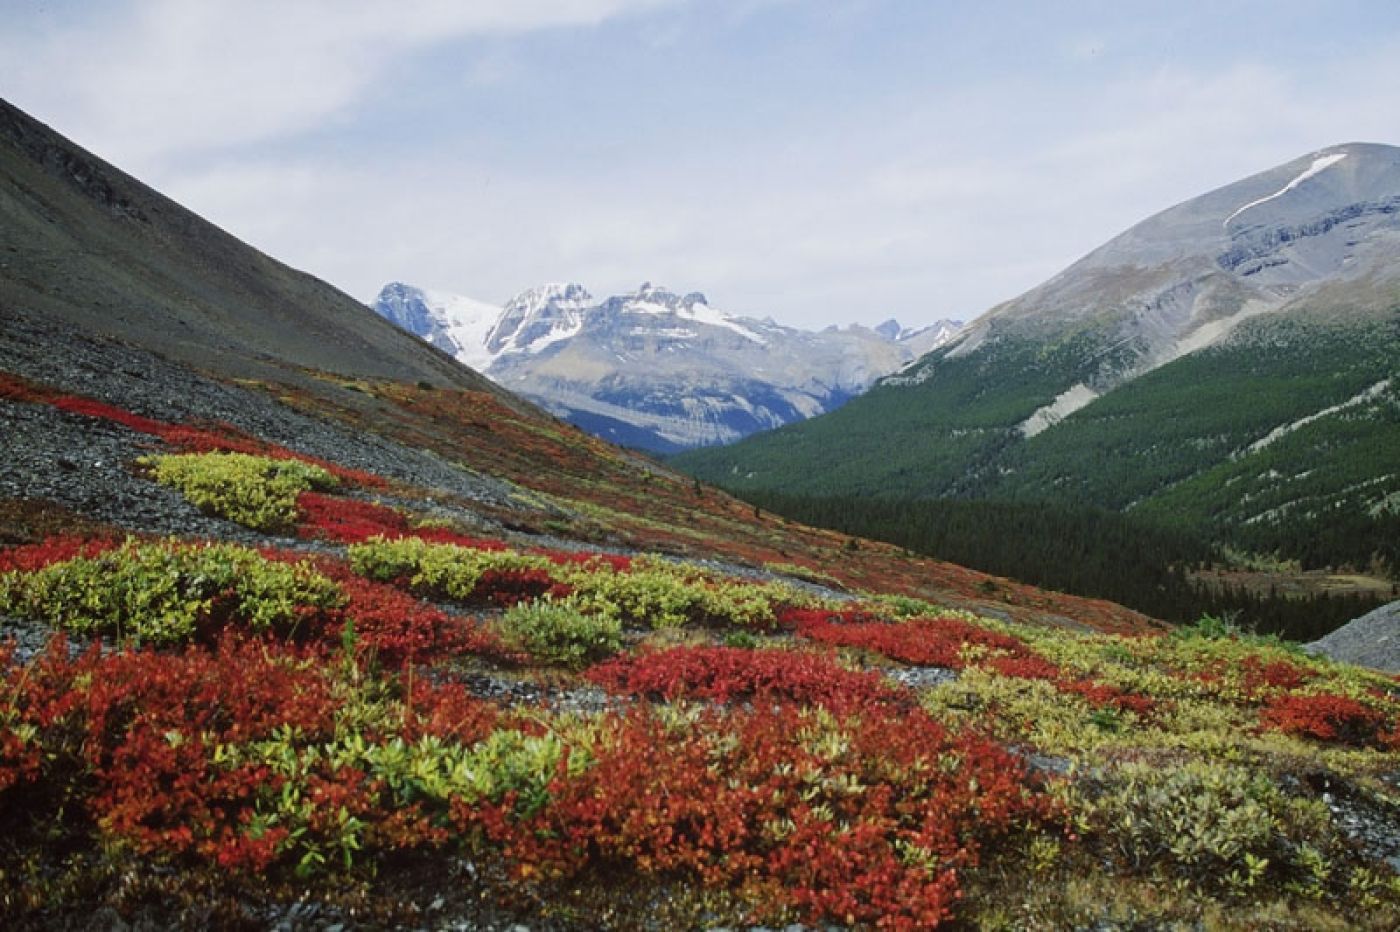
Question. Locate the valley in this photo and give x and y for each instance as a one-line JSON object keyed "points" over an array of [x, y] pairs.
{"points": [[306, 624]]}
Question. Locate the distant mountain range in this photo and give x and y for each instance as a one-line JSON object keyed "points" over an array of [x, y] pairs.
{"points": [[654, 369], [1230, 363]]}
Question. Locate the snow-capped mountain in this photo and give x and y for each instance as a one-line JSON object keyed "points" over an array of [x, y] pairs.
{"points": [[655, 369]]}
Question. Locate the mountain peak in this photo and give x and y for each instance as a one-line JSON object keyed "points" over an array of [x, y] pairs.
{"points": [[890, 329]]}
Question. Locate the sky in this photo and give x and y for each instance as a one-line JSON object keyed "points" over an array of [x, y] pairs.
{"points": [[817, 161]]}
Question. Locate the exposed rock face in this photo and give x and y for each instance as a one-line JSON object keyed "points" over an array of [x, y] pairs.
{"points": [[653, 368], [1373, 640]]}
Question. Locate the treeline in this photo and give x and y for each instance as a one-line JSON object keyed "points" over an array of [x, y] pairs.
{"points": [[1082, 551]]}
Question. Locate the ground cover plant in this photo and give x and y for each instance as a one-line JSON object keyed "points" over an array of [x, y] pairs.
{"points": [[270, 714], [616, 740]]}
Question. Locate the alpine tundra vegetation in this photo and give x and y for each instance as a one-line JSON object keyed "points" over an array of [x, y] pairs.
{"points": [[305, 624]]}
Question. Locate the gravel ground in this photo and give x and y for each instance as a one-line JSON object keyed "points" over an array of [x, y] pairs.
{"points": [[146, 384]]}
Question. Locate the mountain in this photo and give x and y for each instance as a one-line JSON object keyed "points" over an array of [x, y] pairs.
{"points": [[421, 654], [654, 369], [85, 243], [1229, 365]]}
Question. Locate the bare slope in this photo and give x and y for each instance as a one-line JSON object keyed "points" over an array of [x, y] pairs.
{"points": [[82, 242]]}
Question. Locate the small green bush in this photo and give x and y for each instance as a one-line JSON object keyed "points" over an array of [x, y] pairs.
{"points": [[659, 594], [1216, 825], [162, 592], [256, 491], [563, 631], [444, 570]]}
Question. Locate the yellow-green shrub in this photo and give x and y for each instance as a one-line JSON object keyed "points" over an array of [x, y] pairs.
{"points": [[435, 569], [256, 491], [564, 631], [161, 592]]}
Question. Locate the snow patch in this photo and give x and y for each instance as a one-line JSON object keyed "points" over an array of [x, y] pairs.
{"points": [[1370, 394], [467, 321], [1321, 163], [704, 314], [1066, 403]]}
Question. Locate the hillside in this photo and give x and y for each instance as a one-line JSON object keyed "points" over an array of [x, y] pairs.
{"points": [[653, 369], [1227, 366], [318, 636]]}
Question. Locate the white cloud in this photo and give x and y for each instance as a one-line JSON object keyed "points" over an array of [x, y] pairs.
{"points": [[163, 78], [970, 195]]}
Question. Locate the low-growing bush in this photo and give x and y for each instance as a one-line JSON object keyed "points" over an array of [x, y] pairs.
{"points": [[1213, 824], [169, 592], [562, 631], [657, 593], [442, 570], [256, 491], [728, 673], [1325, 717]]}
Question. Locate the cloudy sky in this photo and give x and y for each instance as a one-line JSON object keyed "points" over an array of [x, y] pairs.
{"points": [[819, 161]]}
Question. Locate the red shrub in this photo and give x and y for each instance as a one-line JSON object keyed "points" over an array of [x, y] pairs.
{"points": [[396, 626], [1326, 717], [726, 673], [142, 727], [1024, 668], [934, 642], [800, 619], [346, 520], [1275, 674], [510, 587], [223, 437], [751, 799], [97, 409], [31, 557]]}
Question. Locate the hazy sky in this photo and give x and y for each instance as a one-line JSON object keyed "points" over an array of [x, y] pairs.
{"points": [[819, 161]]}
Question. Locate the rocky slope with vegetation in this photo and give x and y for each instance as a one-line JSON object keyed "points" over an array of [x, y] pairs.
{"points": [[1227, 366], [294, 640]]}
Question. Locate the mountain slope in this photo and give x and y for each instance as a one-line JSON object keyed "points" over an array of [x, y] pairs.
{"points": [[1157, 366], [83, 242], [420, 654], [654, 369]]}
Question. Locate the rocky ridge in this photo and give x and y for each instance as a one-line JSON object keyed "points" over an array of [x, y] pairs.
{"points": [[656, 369]]}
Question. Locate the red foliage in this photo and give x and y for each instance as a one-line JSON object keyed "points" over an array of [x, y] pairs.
{"points": [[1276, 674], [940, 641], [347, 520], [1326, 717], [396, 626], [103, 411], [31, 557], [144, 725], [511, 587], [747, 799], [936, 642], [727, 673], [449, 712]]}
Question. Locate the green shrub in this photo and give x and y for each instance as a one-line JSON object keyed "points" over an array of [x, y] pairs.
{"points": [[1217, 825], [564, 631], [444, 570], [163, 592], [660, 594], [256, 491]]}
